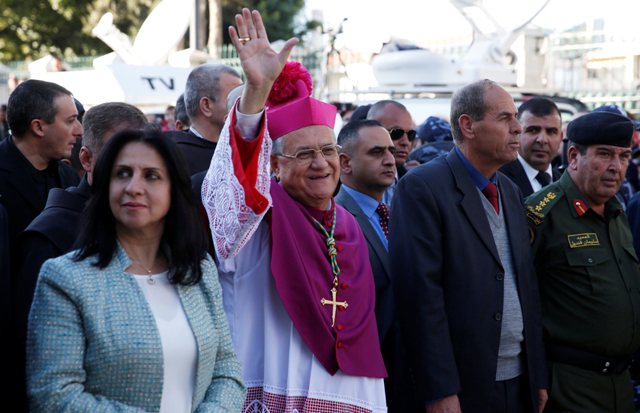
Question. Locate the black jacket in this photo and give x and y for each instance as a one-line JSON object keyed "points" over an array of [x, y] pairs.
{"points": [[516, 173], [17, 192], [22, 202], [49, 235], [197, 151], [449, 283]]}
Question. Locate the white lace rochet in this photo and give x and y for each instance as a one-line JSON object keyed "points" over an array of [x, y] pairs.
{"points": [[231, 221]]}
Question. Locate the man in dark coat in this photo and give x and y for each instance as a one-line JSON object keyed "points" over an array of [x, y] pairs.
{"points": [[205, 98], [466, 290], [367, 169], [44, 126], [53, 232], [539, 143]]}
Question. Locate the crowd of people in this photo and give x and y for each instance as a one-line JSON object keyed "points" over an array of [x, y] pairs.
{"points": [[241, 257]]}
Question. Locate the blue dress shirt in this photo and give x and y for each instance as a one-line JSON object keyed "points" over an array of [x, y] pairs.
{"points": [[479, 179], [368, 205]]}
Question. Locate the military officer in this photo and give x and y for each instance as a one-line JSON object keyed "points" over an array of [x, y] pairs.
{"points": [[588, 271]]}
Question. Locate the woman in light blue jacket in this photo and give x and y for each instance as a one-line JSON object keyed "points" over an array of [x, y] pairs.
{"points": [[133, 320]]}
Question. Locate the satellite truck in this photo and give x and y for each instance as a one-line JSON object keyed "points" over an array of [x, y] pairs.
{"points": [[424, 81]]}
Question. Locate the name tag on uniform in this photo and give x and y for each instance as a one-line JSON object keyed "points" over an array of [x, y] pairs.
{"points": [[587, 239]]}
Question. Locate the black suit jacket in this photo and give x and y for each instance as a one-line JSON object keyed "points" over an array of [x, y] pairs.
{"points": [[397, 383], [197, 151], [22, 203], [51, 234], [516, 173], [6, 373], [449, 282]]}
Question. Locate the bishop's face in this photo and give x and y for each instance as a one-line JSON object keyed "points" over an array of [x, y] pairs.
{"points": [[311, 182]]}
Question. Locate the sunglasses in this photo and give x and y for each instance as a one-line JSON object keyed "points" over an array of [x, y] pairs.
{"points": [[397, 133]]}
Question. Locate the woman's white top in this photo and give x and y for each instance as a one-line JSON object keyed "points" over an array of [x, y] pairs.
{"points": [[178, 343]]}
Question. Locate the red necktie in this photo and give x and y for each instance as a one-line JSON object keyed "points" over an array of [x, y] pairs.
{"points": [[383, 213], [491, 192]]}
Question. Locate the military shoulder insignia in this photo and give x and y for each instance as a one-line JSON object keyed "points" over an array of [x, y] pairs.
{"points": [[537, 207], [580, 206]]}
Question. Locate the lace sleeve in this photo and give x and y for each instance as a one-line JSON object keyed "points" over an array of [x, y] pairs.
{"points": [[225, 191]]}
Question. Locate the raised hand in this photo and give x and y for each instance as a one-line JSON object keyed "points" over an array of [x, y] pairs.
{"points": [[260, 63]]}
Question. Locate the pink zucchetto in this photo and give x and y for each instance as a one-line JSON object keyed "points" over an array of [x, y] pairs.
{"points": [[290, 105]]}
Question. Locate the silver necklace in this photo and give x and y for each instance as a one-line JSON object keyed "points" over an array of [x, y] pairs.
{"points": [[150, 279]]}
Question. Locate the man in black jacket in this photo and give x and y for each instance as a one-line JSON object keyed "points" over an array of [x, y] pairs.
{"points": [[44, 125], [462, 272]]}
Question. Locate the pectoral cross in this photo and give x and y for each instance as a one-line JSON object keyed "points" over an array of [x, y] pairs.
{"points": [[333, 302]]}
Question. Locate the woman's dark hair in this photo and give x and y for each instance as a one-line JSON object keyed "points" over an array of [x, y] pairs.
{"points": [[183, 239]]}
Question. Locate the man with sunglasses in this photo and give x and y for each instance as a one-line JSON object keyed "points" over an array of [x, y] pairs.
{"points": [[297, 284], [462, 270], [397, 120]]}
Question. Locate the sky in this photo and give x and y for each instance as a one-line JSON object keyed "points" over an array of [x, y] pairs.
{"points": [[371, 22]]}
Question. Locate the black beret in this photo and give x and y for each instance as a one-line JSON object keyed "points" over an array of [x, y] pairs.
{"points": [[603, 128]]}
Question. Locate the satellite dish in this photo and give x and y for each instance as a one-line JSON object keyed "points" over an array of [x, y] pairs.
{"points": [[105, 24], [162, 31], [119, 42]]}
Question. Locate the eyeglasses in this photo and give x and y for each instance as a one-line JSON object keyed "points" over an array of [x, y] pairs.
{"points": [[397, 133], [308, 155]]}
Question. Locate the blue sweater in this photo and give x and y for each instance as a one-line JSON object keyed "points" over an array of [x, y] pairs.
{"points": [[93, 345]]}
